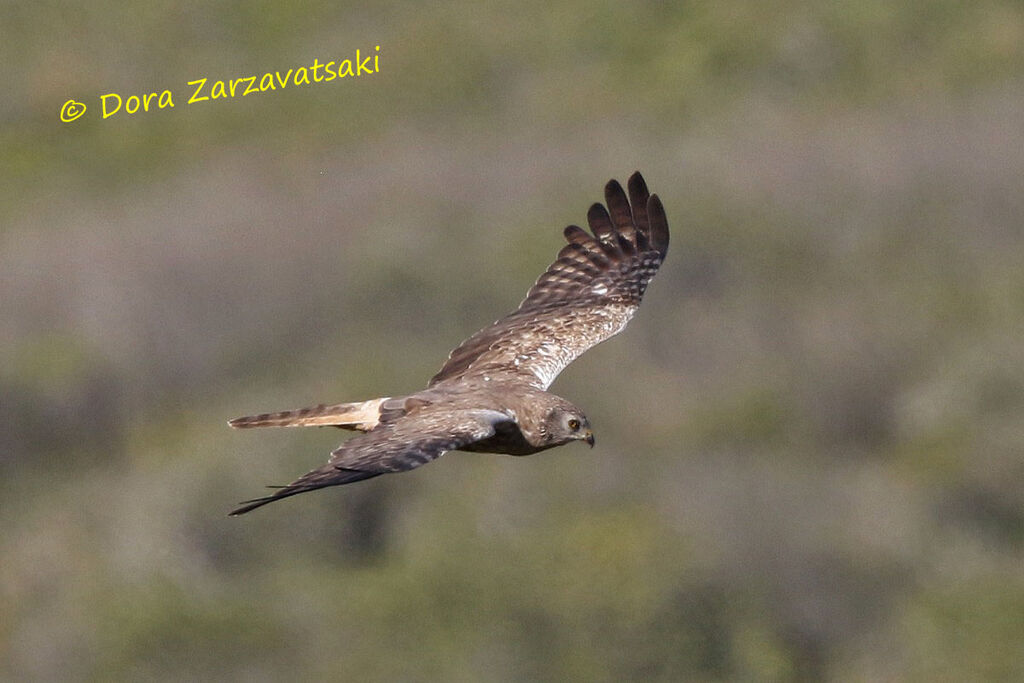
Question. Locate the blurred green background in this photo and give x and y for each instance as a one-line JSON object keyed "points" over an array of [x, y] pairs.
{"points": [[809, 439]]}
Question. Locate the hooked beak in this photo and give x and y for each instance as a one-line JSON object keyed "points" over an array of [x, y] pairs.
{"points": [[589, 438]]}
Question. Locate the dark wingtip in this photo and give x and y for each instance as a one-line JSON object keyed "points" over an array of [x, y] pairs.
{"points": [[612, 188], [600, 222], [637, 186], [658, 224], [574, 234], [638, 196], [597, 209], [249, 505]]}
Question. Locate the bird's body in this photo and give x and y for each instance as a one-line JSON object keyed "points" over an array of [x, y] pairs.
{"points": [[491, 395]]}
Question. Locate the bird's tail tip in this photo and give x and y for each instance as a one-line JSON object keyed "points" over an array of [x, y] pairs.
{"points": [[361, 415]]}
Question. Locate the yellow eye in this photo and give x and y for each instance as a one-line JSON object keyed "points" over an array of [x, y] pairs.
{"points": [[574, 424]]}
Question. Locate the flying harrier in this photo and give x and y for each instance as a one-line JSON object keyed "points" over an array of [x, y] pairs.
{"points": [[491, 395]]}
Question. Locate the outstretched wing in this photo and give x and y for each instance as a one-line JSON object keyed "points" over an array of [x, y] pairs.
{"points": [[587, 295], [396, 446]]}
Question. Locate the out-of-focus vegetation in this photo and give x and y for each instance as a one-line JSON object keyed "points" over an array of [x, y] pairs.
{"points": [[809, 440]]}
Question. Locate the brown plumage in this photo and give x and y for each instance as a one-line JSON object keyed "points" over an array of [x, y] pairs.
{"points": [[491, 395]]}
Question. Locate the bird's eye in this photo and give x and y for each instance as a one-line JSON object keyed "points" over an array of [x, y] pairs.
{"points": [[574, 424]]}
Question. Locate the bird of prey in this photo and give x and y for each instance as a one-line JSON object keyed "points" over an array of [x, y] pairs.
{"points": [[491, 395]]}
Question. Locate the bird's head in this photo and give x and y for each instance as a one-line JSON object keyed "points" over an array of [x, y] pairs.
{"points": [[567, 423]]}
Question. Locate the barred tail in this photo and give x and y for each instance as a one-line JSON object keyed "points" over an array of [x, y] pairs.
{"points": [[361, 415]]}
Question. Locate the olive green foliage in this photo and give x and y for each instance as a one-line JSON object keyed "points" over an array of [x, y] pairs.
{"points": [[808, 460]]}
